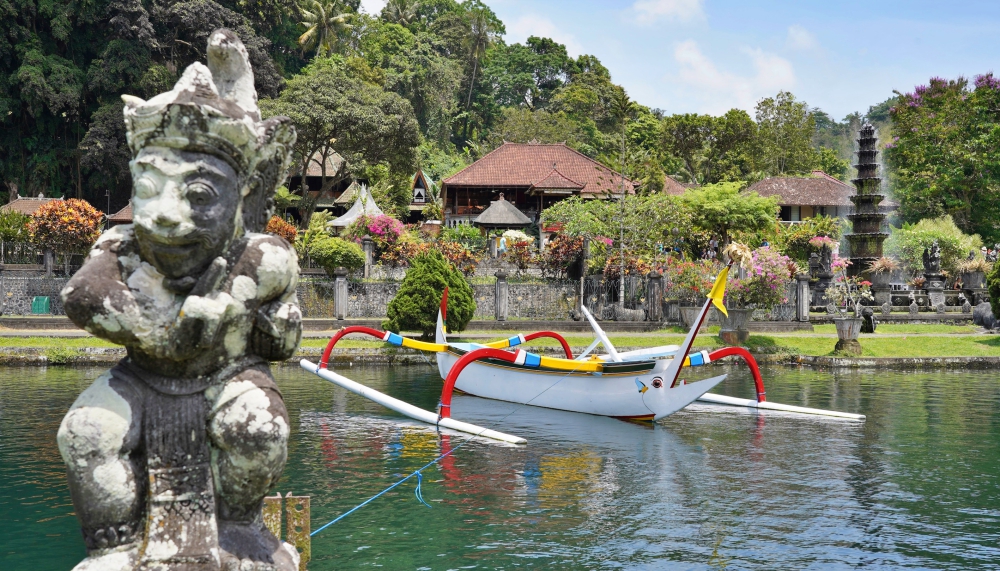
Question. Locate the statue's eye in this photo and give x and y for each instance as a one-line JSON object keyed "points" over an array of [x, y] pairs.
{"points": [[200, 194], [145, 188]]}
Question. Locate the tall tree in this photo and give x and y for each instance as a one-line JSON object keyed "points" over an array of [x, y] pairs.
{"points": [[325, 22], [334, 112], [945, 155], [785, 131]]}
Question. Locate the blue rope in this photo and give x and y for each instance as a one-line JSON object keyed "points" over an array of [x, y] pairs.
{"points": [[418, 474]]}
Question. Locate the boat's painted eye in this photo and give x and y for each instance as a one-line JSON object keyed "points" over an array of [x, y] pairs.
{"points": [[657, 383]]}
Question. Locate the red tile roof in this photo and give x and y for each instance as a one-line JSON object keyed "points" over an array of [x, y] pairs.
{"points": [[674, 187], [26, 205], [123, 216], [528, 164]]}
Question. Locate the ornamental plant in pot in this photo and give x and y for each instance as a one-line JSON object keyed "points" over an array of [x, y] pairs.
{"points": [[972, 273], [689, 282], [846, 294], [761, 288]]}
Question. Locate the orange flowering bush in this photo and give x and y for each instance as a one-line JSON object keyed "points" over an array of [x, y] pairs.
{"points": [[279, 227], [65, 225]]}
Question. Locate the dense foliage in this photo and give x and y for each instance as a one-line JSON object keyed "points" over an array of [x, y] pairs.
{"points": [[945, 153], [795, 240], [907, 243], [416, 304], [428, 84], [65, 225], [332, 253]]}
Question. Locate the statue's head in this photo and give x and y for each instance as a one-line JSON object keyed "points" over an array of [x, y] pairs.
{"points": [[204, 166]]}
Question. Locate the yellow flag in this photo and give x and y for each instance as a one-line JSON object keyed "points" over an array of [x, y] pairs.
{"points": [[719, 291]]}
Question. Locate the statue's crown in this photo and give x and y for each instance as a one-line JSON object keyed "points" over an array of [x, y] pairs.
{"points": [[213, 109]]}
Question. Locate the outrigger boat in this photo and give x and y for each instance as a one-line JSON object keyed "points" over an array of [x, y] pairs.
{"points": [[635, 385]]}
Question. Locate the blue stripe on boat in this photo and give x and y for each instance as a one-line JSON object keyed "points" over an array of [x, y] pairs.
{"points": [[395, 339], [532, 360]]}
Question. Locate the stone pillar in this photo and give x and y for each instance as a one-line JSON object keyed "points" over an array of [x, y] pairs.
{"points": [[802, 297], [654, 297], [340, 293], [502, 296], [368, 245], [492, 242], [48, 260]]}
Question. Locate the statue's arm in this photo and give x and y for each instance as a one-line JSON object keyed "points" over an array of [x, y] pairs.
{"points": [[96, 297], [278, 324]]}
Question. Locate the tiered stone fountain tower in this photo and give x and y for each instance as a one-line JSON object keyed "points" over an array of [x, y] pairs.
{"points": [[867, 236]]}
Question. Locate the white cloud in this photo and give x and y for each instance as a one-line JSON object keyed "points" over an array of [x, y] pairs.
{"points": [[373, 7], [535, 25], [679, 10], [800, 38], [718, 90]]}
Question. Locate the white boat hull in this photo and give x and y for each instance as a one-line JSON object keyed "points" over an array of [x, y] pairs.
{"points": [[618, 395]]}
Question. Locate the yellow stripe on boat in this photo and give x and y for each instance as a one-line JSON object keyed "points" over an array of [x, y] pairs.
{"points": [[571, 365], [423, 345]]}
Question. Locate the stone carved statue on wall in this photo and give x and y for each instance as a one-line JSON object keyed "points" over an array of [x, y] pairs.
{"points": [[932, 259], [170, 453]]}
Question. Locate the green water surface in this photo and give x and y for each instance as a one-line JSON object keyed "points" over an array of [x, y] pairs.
{"points": [[916, 486]]}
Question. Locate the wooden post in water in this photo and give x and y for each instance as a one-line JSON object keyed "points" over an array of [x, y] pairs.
{"points": [[297, 523]]}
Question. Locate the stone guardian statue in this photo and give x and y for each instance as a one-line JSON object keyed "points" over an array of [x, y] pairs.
{"points": [[170, 453]]}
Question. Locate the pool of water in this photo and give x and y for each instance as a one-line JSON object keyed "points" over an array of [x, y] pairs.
{"points": [[915, 486]]}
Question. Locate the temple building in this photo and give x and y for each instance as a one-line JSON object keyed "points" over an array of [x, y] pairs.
{"points": [[803, 197], [532, 177]]}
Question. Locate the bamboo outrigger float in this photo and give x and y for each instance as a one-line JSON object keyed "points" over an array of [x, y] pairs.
{"points": [[635, 385]]}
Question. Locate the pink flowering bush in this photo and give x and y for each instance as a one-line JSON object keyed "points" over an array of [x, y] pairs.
{"points": [[767, 272], [847, 293], [384, 230], [820, 242]]}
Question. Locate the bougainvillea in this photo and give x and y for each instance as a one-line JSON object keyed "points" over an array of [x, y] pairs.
{"points": [[384, 230], [279, 227], [764, 285], [67, 225]]}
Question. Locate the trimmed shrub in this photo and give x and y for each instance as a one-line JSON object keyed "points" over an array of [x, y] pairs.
{"points": [[993, 286], [416, 303], [65, 225], [332, 253]]}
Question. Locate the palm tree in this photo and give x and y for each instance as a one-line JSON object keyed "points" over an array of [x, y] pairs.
{"points": [[482, 35], [402, 12], [325, 21]]}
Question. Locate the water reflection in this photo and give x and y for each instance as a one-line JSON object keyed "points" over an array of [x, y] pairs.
{"points": [[710, 487]]}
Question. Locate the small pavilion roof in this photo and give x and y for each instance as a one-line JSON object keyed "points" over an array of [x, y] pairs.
{"points": [[364, 205], [502, 214]]}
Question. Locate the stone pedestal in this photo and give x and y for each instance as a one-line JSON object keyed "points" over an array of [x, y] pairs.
{"points": [[654, 297], [823, 281], [340, 293], [802, 297], [848, 346], [502, 296], [934, 281], [936, 295]]}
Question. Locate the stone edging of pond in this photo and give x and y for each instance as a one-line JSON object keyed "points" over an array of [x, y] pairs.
{"points": [[96, 356]]}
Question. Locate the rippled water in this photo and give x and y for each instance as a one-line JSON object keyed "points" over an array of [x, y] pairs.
{"points": [[916, 486]]}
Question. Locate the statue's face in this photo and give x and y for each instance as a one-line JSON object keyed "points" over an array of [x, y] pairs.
{"points": [[184, 209]]}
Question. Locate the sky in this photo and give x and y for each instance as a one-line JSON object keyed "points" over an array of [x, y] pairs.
{"points": [[708, 56]]}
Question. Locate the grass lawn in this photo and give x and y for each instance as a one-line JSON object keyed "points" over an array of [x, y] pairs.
{"points": [[891, 341]]}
